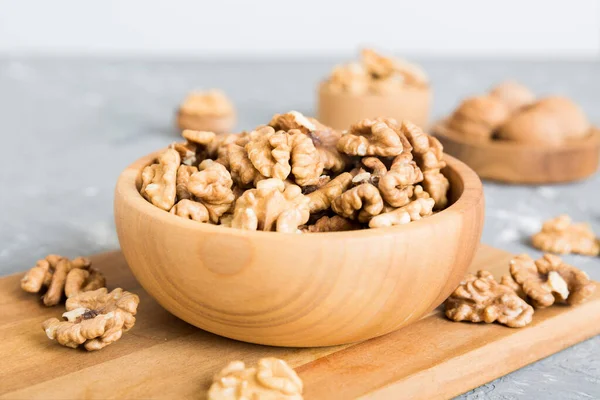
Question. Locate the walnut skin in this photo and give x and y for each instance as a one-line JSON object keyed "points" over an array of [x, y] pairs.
{"points": [[272, 379], [359, 203], [548, 280], [159, 180], [421, 205], [560, 235], [61, 275], [481, 299], [94, 319], [378, 137], [271, 207]]}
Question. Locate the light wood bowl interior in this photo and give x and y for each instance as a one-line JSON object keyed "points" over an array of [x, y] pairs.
{"points": [[314, 289], [511, 162], [340, 110]]}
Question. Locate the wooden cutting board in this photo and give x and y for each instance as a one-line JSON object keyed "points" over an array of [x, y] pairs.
{"points": [[164, 357]]}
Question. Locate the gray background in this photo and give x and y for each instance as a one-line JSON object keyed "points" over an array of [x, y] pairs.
{"points": [[69, 126]]}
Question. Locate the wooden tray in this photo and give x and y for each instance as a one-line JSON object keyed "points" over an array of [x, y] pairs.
{"points": [[517, 163], [163, 357]]}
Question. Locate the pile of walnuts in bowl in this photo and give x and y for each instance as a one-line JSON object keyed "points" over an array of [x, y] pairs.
{"points": [[297, 175]]}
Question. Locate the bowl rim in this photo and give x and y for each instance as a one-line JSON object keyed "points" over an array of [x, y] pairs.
{"points": [[440, 128], [126, 191], [402, 91]]}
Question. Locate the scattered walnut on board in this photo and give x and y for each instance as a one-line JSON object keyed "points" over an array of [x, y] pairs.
{"points": [[549, 279], [480, 298], [95, 319], [60, 275], [271, 379], [560, 235]]}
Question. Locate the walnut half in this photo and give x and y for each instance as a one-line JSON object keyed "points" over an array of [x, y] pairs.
{"points": [[560, 235], [272, 379], [549, 279], [480, 298], [94, 319]]}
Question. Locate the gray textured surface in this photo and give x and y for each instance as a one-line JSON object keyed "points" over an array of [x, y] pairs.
{"points": [[68, 127]]}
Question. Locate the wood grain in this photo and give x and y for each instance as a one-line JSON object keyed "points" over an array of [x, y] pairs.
{"points": [[163, 357], [505, 161], [340, 110], [308, 290]]}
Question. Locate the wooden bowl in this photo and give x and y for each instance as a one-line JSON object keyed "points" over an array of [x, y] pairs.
{"points": [[511, 162], [315, 289], [340, 110]]}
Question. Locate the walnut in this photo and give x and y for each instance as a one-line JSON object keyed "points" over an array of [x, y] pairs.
{"points": [[428, 153], [59, 274], [350, 78], [187, 152], [372, 137], [419, 206], [82, 280], [513, 95], [271, 207], [479, 117], [202, 138], [269, 151], [181, 182], [480, 298], [211, 186], [549, 279], [242, 170], [159, 180], [272, 379], [321, 198], [397, 184], [191, 210], [94, 319], [323, 137], [332, 224], [306, 160], [360, 203], [560, 235]]}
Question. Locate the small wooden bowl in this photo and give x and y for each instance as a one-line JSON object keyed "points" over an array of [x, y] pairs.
{"points": [[315, 289], [340, 110], [216, 124], [505, 161]]}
